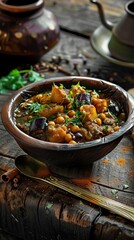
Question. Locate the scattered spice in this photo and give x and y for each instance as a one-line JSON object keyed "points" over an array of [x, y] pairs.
{"points": [[68, 65], [15, 185], [72, 65], [128, 148], [9, 175], [106, 161], [16, 179], [121, 162]]}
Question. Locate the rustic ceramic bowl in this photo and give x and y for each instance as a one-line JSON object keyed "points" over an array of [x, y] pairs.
{"points": [[60, 156]]}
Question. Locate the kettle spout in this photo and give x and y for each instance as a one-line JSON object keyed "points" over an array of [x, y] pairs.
{"points": [[106, 23]]}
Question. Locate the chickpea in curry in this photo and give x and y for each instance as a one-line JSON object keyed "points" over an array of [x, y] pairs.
{"points": [[69, 116]]}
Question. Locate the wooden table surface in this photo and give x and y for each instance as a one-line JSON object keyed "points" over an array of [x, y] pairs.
{"points": [[37, 211]]}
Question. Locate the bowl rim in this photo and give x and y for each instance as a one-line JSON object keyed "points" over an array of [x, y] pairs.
{"points": [[10, 126]]}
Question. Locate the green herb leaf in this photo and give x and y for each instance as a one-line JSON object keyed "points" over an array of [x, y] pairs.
{"points": [[17, 79], [125, 186], [66, 120], [76, 121], [114, 191], [52, 117], [105, 127], [35, 107], [34, 76], [76, 103]]}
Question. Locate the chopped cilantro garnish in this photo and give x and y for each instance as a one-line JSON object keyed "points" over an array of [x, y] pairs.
{"points": [[61, 86], [35, 107], [76, 121], [105, 127], [66, 120], [70, 96], [116, 120], [76, 103], [52, 117], [78, 113]]}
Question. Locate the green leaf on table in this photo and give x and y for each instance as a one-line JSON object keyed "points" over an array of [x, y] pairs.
{"points": [[17, 79], [34, 76], [125, 186], [114, 191]]}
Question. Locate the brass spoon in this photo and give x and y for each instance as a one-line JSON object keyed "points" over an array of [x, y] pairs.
{"points": [[38, 170]]}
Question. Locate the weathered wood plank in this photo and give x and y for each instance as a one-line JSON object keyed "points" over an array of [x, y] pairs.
{"points": [[111, 172], [8, 146], [33, 210], [106, 172], [6, 236], [84, 15], [35, 190], [108, 228], [37, 211], [43, 206], [71, 46]]}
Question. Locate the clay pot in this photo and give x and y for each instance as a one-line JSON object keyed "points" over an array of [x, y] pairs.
{"points": [[27, 29]]}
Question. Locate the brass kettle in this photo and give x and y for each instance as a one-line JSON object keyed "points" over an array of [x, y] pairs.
{"points": [[27, 29], [121, 43]]}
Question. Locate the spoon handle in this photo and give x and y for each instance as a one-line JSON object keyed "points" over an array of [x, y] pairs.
{"points": [[107, 203]]}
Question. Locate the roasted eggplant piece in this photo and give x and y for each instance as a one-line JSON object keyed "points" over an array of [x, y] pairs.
{"points": [[114, 109], [78, 136], [82, 99], [38, 127]]}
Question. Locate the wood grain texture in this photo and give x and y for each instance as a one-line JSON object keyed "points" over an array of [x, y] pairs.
{"points": [[37, 211], [33, 204], [83, 14], [51, 211], [6, 236], [109, 173]]}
